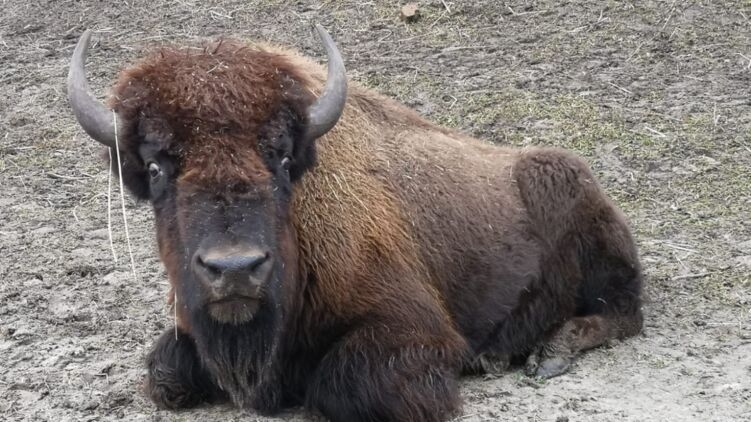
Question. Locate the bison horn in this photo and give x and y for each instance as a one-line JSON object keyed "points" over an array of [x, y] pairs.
{"points": [[324, 114], [93, 116]]}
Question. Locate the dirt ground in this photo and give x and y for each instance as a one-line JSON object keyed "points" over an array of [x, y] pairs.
{"points": [[656, 94]]}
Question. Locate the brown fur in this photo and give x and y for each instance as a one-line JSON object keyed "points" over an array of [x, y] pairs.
{"points": [[411, 252]]}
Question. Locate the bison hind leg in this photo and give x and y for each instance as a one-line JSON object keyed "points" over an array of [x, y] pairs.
{"points": [[575, 215], [608, 306], [608, 300]]}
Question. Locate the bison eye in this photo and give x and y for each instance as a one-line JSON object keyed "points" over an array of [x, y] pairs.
{"points": [[154, 170], [286, 163]]}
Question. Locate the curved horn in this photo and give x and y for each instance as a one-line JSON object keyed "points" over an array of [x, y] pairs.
{"points": [[325, 112], [93, 116]]}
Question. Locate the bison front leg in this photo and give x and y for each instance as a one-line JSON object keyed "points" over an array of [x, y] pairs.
{"points": [[375, 374], [175, 376]]}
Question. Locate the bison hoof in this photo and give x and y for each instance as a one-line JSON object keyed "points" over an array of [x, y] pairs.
{"points": [[552, 367], [541, 364]]}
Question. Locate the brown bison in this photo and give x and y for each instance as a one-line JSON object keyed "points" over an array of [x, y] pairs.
{"points": [[331, 248]]}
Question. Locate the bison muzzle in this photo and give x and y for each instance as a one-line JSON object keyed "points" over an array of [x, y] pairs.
{"points": [[329, 247]]}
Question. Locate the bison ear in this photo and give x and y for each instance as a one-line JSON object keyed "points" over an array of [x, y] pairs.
{"points": [[303, 157], [320, 115], [292, 124], [135, 177]]}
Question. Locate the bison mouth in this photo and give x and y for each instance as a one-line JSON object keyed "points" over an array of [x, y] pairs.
{"points": [[234, 309]]}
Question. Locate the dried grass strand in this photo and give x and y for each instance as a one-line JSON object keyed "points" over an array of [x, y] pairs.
{"points": [[174, 305], [109, 205], [122, 197]]}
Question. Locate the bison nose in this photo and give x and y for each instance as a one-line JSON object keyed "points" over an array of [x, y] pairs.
{"points": [[240, 264], [215, 264]]}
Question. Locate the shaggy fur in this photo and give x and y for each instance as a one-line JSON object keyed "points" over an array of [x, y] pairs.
{"points": [[405, 252]]}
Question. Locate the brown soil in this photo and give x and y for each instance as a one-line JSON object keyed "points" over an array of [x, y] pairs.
{"points": [[654, 93]]}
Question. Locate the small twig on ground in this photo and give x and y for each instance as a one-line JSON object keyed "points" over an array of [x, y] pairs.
{"points": [[446, 6], [463, 417], [715, 116], [680, 261], [694, 78], [445, 12], [638, 47], [219, 15], [601, 18], [621, 88], [465, 47], [656, 132], [690, 276], [670, 15], [63, 177], [90, 176], [385, 37], [725, 324], [673, 33], [748, 66], [680, 248], [453, 102]]}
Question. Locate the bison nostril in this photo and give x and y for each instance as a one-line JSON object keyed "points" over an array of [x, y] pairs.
{"points": [[216, 264], [212, 270]]}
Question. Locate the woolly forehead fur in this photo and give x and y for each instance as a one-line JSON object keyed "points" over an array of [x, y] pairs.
{"points": [[214, 104]]}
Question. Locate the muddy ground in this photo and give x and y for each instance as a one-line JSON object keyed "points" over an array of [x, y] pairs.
{"points": [[656, 94]]}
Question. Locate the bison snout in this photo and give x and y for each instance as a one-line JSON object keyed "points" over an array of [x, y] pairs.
{"points": [[235, 270]]}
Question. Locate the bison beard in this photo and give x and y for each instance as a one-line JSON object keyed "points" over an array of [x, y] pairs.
{"points": [[218, 361], [386, 254]]}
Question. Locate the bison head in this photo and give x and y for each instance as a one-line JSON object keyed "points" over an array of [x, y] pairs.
{"points": [[214, 138]]}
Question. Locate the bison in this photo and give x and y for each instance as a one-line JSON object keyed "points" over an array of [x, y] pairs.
{"points": [[331, 248]]}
